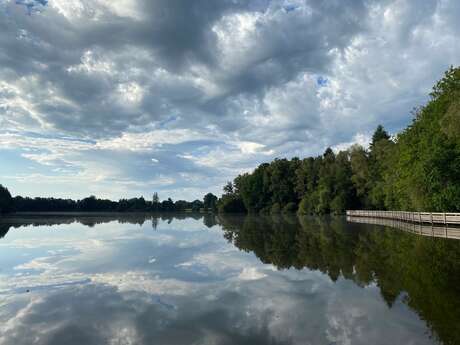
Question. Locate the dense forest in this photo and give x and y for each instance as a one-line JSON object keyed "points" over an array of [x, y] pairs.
{"points": [[416, 170], [422, 272]]}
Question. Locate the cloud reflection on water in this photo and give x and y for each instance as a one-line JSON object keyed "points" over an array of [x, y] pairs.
{"points": [[102, 289]]}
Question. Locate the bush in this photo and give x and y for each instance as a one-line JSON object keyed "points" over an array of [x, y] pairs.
{"points": [[276, 209], [308, 204], [266, 210], [291, 207], [231, 204], [338, 204]]}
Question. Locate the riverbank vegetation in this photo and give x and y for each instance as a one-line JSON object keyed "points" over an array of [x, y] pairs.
{"points": [[416, 170], [10, 204]]}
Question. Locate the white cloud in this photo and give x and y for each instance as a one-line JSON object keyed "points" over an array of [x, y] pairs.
{"points": [[251, 273], [96, 9], [94, 89], [147, 141]]}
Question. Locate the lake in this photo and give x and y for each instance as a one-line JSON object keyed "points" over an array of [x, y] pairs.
{"points": [[139, 279]]}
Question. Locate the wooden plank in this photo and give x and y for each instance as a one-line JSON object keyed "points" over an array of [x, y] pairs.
{"points": [[412, 217]]}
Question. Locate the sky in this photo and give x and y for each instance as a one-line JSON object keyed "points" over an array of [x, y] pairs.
{"points": [[126, 98]]}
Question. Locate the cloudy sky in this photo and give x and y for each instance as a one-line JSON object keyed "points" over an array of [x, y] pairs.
{"points": [[121, 98]]}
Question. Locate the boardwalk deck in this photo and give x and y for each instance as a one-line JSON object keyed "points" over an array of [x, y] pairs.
{"points": [[423, 229], [409, 217]]}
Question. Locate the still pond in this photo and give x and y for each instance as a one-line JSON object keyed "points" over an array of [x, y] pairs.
{"points": [[139, 279]]}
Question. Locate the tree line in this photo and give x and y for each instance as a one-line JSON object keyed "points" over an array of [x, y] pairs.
{"points": [[10, 204], [416, 170]]}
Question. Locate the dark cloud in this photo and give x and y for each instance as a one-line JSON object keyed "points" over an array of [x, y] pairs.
{"points": [[175, 35], [179, 31]]}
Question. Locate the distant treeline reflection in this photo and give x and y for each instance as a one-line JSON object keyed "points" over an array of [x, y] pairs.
{"points": [[423, 272]]}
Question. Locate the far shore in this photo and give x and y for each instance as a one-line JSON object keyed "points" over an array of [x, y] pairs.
{"points": [[96, 213]]}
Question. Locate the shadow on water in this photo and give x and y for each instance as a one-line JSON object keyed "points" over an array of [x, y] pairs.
{"points": [[425, 272]]}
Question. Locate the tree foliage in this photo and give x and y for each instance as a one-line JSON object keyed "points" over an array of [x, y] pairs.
{"points": [[6, 201], [231, 201], [94, 204], [210, 202]]}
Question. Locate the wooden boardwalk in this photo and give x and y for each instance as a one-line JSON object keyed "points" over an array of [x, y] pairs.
{"points": [[423, 229], [433, 218]]}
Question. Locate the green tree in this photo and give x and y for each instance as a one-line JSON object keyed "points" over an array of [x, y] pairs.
{"points": [[210, 202], [167, 205], [360, 178], [426, 169], [228, 188], [231, 201], [282, 181], [379, 134], [155, 202], [326, 182], [6, 201], [254, 189], [381, 149]]}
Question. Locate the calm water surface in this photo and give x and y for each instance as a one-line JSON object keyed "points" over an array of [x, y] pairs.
{"points": [[233, 280]]}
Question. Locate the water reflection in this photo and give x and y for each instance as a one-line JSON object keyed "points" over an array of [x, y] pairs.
{"points": [[422, 229], [223, 280], [9, 222], [424, 272]]}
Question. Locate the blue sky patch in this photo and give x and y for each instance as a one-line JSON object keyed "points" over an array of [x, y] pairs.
{"points": [[33, 5], [321, 81], [290, 8]]}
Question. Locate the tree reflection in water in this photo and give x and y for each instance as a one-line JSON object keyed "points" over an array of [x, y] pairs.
{"points": [[424, 271], [9, 222]]}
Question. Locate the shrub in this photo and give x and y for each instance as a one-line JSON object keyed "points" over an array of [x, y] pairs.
{"points": [[291, 207]]}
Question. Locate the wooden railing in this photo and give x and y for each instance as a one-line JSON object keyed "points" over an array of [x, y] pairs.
{"points": [[410, 217], [423, 229]]}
